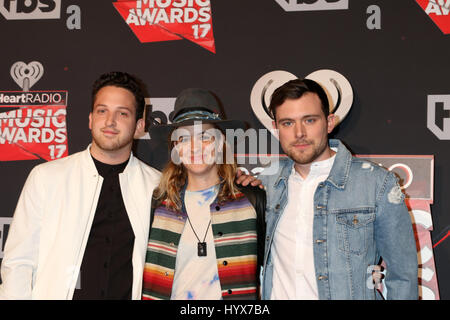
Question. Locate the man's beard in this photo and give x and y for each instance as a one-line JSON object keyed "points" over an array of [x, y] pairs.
{"points": [[111, 145], [309, 156]]}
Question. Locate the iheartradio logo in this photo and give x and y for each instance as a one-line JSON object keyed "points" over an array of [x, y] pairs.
{"points": [[32, 123], [336, 86], [26, 75]]}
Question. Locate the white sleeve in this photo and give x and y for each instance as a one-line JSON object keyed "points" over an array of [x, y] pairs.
{"points": [[22, 245]]}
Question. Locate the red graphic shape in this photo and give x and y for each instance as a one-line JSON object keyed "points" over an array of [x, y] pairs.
{"points": [[183, 19], [440, 241], [33, 132], [438, 11]]}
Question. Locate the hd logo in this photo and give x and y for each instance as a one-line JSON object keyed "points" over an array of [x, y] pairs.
{"points": [[30, 9], [313, 5], [438, 116]]}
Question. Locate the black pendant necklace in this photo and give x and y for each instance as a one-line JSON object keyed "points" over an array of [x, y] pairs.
{"points": [[201, 245]]}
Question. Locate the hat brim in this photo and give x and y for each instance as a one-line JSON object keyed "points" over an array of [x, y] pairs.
{"points": [[162, 131]]}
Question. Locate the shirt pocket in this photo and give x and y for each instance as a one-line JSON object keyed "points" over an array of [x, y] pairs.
{"points": [[355, 229]]}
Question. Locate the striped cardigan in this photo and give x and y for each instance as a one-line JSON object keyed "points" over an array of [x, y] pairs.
{"points": [[234, 231]]}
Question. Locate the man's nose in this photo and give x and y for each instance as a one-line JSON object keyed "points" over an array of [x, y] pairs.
{"points": [[300, 131], [110, 119]]}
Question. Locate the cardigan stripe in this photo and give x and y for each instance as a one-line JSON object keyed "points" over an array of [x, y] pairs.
{"points": [[234, 230], [233, 215], [237, 271], [235, 238], [161, 248], [241, 291], [168, 223]]}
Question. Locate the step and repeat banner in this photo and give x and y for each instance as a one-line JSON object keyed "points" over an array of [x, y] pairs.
{"points": [[384, 64]]}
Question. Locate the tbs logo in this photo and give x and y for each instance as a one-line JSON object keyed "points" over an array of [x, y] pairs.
{"points": [[313, 5], [30, 9]]}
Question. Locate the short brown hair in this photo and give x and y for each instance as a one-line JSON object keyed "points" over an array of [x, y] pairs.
{"points": [[295, 89], [125, 81]]}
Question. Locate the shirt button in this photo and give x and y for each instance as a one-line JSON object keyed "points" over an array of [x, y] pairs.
{"points": [[217, 208], [322, 278], [166, 274], [320, 241], [225, 263], [267, 238], [172, 244], [277, 206], [220, 234], [230, 291]]}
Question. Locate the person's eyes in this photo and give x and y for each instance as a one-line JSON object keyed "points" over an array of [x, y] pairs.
{"points": [[183, 139], [206, 137]]}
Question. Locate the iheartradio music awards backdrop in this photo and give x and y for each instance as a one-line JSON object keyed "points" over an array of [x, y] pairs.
{"points": [[384, 65]]}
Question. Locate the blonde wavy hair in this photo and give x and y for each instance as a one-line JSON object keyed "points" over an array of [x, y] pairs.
{"points": [[174, 177]]}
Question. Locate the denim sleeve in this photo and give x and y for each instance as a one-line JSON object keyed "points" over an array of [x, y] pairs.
{"points": [[395, 241], [264, 180]]}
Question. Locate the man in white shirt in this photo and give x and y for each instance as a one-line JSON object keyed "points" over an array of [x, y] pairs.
{"points": [[66, 223], [293, 276], [330, 215]]}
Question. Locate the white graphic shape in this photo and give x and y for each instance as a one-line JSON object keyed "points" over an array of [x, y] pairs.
{"points": [[26, 75], [294, 5], [338, 89]]}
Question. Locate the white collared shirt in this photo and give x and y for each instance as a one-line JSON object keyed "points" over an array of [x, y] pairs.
{"points": [[294, 276]]}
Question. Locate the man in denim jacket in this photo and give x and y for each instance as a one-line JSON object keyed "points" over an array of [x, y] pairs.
{"points": [[330, 216]]}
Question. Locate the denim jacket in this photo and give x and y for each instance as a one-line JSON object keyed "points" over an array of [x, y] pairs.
{"points": [[359, 215]]}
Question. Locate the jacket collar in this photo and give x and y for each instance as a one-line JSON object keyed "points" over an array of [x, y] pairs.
{"points": [[286, 170], [339, 172], [90, 165]]}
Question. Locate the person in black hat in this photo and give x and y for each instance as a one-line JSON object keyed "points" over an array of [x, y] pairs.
{"points": [[206, 238]]}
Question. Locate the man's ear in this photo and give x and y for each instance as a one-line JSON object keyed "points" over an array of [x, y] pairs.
{"points": [[90, 121], [275, 130], [140, 127], [331, 122]]}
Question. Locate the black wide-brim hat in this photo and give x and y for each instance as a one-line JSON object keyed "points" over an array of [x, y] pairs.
{"points": [[193, 105]]}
